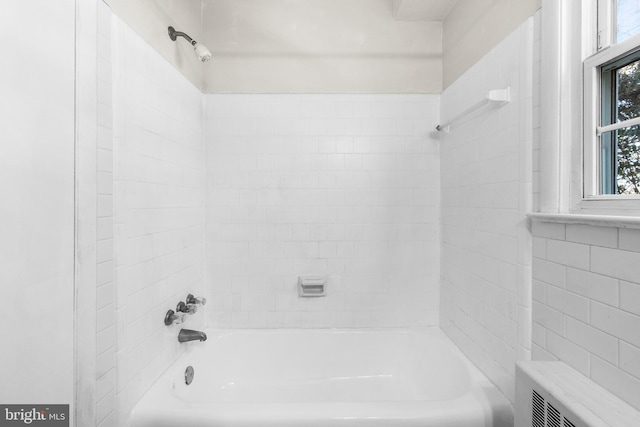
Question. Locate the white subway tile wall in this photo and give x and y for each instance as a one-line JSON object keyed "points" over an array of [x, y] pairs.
{"points": [[486, 192], [345, 186], [586, 309], [537, 38], [105, 292], [159, 217]]}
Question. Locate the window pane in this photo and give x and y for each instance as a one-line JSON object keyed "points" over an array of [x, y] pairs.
{"points": [[628, 19], [620, 149], [628, 91], [620, 161]]}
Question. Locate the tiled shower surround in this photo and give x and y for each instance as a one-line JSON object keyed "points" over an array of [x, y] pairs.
{"points": [[234, 196], [344, 186]]}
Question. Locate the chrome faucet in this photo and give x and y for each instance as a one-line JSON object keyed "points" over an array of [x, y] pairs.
{"points": [[191, 335]]}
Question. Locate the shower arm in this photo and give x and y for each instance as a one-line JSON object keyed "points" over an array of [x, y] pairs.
{"points": [[173, 34]]}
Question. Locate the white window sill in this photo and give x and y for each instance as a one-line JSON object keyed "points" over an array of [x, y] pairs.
{"points": [[597, 220]]}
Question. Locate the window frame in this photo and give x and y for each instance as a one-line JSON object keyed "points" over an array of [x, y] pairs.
{"points": [[607, 53]]}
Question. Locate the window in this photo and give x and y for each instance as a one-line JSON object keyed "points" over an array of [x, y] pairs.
{"points": [[619, 135], [612, 104]]}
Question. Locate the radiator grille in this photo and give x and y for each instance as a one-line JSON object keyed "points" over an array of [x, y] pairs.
{"points": [[553, 416], [537, 413], [543, 414]]}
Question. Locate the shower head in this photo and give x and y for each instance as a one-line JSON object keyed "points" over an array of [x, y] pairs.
{"points": [[200, 50]]}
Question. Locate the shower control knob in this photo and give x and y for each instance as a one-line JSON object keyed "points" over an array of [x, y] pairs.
{"points": [[172, 317], [196, 301], [186, 308]]}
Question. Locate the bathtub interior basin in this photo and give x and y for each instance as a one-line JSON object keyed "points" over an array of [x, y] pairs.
{"points": [[377, 377]]}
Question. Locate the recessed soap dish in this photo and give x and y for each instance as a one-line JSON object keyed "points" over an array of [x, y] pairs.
{"points": [[311, 286]]}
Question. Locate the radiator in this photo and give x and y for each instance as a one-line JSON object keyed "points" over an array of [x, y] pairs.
{"points": [[552, 394]]}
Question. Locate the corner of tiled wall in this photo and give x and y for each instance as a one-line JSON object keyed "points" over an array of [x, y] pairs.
{"points": [[344, 150]]}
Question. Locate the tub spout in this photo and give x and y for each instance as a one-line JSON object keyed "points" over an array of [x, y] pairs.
{"points": [[191, 335]]}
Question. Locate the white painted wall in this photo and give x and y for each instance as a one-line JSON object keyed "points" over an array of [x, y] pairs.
{"points": [[319, 46], [486, 193], [345, 186], [37, 208], [586, 302], [474, 27], [306, 46], [159, 197], [327, 46], [420, 10]]}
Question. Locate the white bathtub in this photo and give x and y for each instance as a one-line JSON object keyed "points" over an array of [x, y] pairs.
{"points": [[302, 378]]}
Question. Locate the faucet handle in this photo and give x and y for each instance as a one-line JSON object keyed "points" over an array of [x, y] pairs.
{"points": [[186, 308], [173, 317], [195, 301]]}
